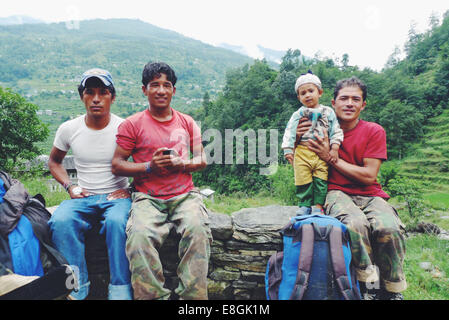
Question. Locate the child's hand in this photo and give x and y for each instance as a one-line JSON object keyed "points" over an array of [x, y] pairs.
{"points": [[289, 158], [333, 156]]}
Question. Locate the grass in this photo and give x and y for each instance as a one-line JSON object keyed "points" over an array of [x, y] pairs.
{"points": [[228, 205], [438, 198], [39, 185], [430, 284]]}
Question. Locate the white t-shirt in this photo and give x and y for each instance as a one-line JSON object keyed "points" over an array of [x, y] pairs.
{"points": [[92, 152]]}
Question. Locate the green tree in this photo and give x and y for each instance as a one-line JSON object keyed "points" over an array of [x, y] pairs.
{"points": [[403, 124], [345, 61], [290, 60], [409, 191], [248, 103], [20, 128]]}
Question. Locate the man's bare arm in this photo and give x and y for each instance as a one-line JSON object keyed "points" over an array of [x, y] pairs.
{"points": [[366, 174], [55, 165], [60, 173], [122, 167], [198, 162]]}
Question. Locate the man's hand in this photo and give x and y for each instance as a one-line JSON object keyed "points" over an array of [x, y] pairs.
{"points": [[77, 195], [320, 146], [161, 162], [304, 125]]}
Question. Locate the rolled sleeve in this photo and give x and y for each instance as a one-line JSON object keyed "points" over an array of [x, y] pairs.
{"points": [[126, 136]]}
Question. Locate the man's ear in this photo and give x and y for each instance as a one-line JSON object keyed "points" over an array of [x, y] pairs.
{"points": [[333, 103], [174, 90], [363, 106], [144, 90]]}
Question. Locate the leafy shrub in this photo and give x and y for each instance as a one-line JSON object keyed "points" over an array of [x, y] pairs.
{"points": [[283, 185], [409, 191]]}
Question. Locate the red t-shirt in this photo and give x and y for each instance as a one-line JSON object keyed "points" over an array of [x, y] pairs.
{"points": [[143, 135], [366, 140]]}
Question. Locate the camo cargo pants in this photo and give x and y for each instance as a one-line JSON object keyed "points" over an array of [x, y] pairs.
{"points": [[148, 226], [377, 238]]}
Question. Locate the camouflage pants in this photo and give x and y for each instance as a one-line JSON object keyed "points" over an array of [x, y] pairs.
{"points": [[148, 226], [377, 238]]}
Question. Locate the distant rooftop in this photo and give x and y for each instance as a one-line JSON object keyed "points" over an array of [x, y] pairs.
{"points": [[68, 162]]}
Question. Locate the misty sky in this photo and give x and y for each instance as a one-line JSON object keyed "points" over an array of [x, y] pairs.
{"points": [[366, 30]]}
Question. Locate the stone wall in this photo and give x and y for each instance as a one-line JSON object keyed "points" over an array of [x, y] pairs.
{"points": [[239, 256], [243, 243]]}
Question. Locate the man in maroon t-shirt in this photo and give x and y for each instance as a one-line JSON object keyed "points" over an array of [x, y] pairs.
{"points": [[357, 199], [160, 140]]}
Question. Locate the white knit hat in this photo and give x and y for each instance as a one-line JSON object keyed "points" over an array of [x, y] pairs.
{"points": [[308, 77]]}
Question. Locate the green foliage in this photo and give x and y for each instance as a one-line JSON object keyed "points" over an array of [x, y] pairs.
{"points": [[283, 185], [247, 104], [388, 171], [402, 124], [409, 191], [20, 128]]}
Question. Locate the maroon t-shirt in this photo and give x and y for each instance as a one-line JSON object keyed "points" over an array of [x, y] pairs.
{"points": [[366, 140], [143, 135]]}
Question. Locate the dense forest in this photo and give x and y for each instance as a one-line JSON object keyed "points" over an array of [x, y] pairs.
{"points": [[402, 98]]}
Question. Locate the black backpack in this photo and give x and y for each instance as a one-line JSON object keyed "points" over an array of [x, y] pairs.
{"points": [[58, 279]]}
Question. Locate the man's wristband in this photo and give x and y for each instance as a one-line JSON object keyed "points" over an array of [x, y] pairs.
{"points": [[148, 167], [67, 185]]}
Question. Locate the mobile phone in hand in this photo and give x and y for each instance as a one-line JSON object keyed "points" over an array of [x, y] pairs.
{"points": [[168, 152]]}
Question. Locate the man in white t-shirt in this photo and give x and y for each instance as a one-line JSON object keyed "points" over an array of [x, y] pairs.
{"points": [[99, 195]]}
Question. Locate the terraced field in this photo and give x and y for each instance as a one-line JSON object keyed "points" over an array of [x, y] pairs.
{"points": [[428, 160]]}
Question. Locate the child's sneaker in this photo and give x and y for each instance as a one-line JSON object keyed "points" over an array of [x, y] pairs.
{"points": [[316, 210], [302, 211]]}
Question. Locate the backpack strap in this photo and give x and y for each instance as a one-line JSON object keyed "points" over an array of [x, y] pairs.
{"points": [[339, 265], [274, 275], [305, 262], [6, 179], [42, 233]]}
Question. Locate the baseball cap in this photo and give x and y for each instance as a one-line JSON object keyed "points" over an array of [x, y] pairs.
{"points": [[308, 77], [101, 74]]}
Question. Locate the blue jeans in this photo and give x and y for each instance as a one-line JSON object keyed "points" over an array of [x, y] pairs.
{"points": [[68, 226]]}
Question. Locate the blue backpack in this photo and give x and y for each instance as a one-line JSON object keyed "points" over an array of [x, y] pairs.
{"points": [[315, 263]]}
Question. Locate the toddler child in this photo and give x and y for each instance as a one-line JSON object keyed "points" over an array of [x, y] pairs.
{"points": [[310, 171]]}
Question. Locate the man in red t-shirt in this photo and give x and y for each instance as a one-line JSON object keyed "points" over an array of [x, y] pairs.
{"points": [[160, 140], [357, 199]]}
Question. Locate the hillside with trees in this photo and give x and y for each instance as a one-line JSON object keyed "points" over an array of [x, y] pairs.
{"points": [[405, 98], [44, 63]]}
